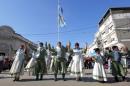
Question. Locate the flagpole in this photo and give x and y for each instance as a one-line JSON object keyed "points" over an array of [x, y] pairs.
{"points": [[58, 21]]}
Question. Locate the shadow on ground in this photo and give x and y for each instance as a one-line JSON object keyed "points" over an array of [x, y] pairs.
{"points": [[84, 79]]}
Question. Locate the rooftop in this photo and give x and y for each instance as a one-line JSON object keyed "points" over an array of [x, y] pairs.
{"points": [[12, 33], [108, 12]]}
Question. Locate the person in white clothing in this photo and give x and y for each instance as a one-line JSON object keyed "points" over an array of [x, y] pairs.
{"points": [[18, 63], [31, 63], [76, 64], [48, 57], [98, 70], [125, 55]]}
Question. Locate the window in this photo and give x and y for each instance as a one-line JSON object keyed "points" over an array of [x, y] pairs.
{"points": [[112, 39], [105, 42], [110, 28], [103, 32], [107, 30]]}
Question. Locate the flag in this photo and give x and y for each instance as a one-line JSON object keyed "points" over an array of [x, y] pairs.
{"points": [[61, 20]]}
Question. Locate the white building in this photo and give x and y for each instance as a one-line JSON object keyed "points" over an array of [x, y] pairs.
{"points": [[91, 48], [97, 43], [114, 27]]}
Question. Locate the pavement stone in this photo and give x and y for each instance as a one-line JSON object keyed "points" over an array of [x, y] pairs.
{"points": [[26, 80]]}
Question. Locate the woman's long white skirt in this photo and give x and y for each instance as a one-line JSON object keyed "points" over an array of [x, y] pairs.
{"points": [[76, 66], [48, 61], [124, 62], [31, 63], [99, 72], [17, 67]]}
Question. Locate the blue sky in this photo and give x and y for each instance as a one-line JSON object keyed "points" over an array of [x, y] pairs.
{"points": [[37, 19]]}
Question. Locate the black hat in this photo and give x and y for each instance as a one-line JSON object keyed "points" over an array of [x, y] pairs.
{"points": [[76, 44], [41, 43], [96, 49], [113, 47]]}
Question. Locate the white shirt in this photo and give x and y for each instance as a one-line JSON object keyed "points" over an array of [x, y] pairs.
{"points": [[58, 50], [77, 51], [48, 52], [38, 52]]}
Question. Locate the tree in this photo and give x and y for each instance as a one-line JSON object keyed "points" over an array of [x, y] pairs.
{"points": [[46, 45], [49, 46]]}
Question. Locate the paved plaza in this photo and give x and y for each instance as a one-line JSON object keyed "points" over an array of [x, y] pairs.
{"points": [[26, 80]]}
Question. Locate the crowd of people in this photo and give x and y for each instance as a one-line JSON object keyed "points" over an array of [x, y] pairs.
{"points": [[5, 62], [61, 60]]}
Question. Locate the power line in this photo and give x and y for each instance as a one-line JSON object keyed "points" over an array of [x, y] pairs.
{"points": [[72, 30]]}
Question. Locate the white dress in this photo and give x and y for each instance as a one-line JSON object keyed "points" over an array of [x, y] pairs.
{"points": [[76, 63], [48, 59], [98, 70], [18, 63], [124, 62], [124, 59], [31, 62]]}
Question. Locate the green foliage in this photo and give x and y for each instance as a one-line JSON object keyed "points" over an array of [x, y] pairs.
{"points": [[49, 46], [46, 45]]}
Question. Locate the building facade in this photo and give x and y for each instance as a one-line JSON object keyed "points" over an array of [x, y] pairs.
{"points": [[97, 43], [11, 41], [114, 27]]}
